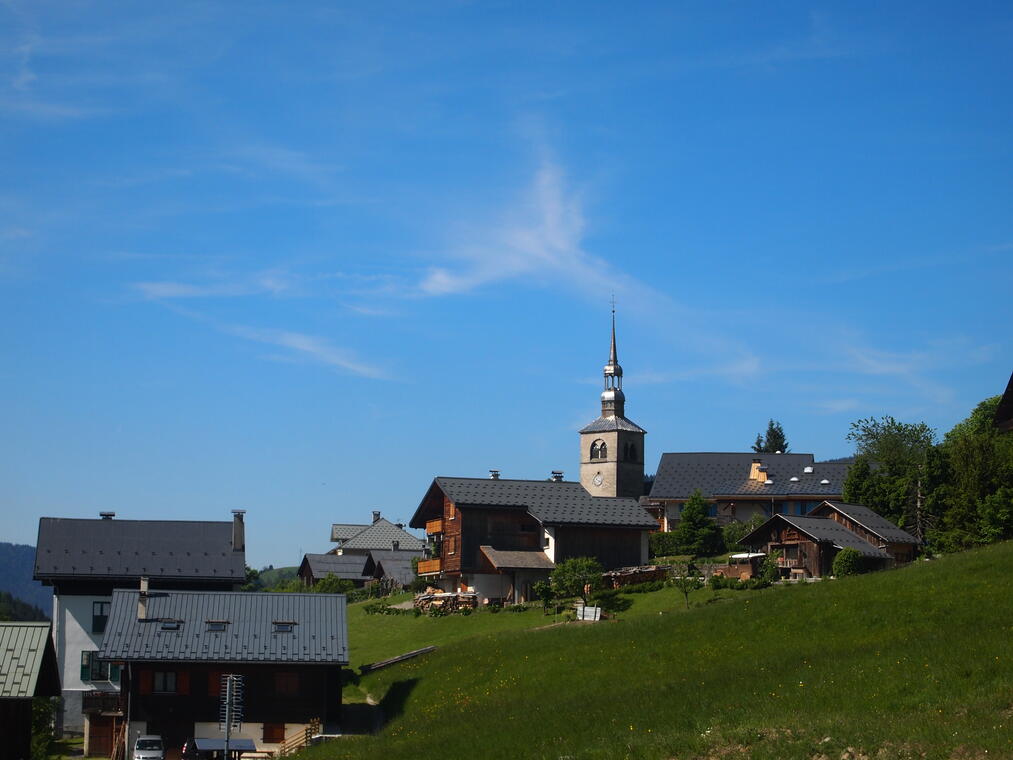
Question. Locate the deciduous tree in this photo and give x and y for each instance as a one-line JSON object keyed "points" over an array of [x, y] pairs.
{"points": [[579, 576]]}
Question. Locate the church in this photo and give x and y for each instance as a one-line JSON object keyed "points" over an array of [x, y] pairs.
{"points": [[496, 537]]}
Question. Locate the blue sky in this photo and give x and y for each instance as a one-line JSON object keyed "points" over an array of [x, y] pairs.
{"points": [[299, 258]]}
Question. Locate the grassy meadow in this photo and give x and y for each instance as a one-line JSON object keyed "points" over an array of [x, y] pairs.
{"points": [[911, 663]]}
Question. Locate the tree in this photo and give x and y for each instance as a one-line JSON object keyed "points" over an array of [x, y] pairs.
{"points": [[686, 578], [847, 562], [579, 576], [889, 474], [543, 591], [332, 584], [253, 580], [734, 532], [773, 442], [696, 533]]}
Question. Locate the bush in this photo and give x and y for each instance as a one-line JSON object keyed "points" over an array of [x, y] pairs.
{"points": [[466, 611], [642, 588], [517, 608], [769, 569], [663, 544], [543, 591], [848, 562], [716, 582]]}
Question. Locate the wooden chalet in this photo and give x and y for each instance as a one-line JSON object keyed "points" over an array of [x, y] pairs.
{"points": [[174, 646], [497, 537], [738, 486], [808, 544], [349, 567], [28, 669]]}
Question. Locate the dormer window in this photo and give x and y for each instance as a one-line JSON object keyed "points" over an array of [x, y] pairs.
{"points": [[284, 626], [170, 625], [217, 625]]}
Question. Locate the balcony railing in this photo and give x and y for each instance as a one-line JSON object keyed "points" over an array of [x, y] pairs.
{"points": [[787, 562], [430, 566], [434, 526], [102, 702]]}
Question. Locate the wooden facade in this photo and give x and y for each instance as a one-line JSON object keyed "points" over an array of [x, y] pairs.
{"points": [[612, 547], [900, 552]]}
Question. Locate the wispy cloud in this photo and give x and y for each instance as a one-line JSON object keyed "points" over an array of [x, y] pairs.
{"points": [[284, 160], [311, 347], [742, 368], [263, 283], [837, 405]]}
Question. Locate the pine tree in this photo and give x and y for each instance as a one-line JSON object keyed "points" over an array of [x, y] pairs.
{"points": [[773, 442]]}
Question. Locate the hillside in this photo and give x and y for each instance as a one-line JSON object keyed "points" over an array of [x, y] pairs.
{"points": [[17, 563], [903, 664]]}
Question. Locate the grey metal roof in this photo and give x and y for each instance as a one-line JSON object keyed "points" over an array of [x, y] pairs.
{"points": [[346, 566], [27, 661], [549, 502], [381, 535], [869, 520], [319, 633], [178, 549], [821, 529], [611, 423], [727, 474], [534, 559]]}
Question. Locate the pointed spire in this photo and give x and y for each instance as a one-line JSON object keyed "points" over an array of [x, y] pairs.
{"points": [[613, 359]]}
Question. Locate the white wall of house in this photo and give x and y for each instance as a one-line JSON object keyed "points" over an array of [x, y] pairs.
{"points": [[72, 635], [549, 542], [489, 586]]}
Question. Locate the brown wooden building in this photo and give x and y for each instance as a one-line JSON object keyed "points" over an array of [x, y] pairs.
{"points": [[28, 669], [497, 537], [809, 544], [175, 646]]}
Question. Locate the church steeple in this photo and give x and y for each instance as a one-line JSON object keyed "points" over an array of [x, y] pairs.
{"points": [[613, 402]]}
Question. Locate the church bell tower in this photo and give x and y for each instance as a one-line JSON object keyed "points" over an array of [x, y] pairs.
{"points": [[612, 447]]}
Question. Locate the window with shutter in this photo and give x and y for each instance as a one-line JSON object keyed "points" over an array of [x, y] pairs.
{"points": [[183, 682], [144, 682], [214, 683], [274, 733], [85, 666]]}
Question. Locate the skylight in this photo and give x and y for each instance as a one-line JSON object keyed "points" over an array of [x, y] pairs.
{"points": [[807, 469]]}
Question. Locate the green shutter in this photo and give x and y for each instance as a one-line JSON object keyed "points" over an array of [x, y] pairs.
{"points": [[114, 673], [85, 666]]}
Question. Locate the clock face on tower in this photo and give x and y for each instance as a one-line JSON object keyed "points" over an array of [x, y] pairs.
{"points": [[598, 479]]}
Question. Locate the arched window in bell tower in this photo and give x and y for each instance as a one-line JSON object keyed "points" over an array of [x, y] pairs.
{"points": [[599, 450]]}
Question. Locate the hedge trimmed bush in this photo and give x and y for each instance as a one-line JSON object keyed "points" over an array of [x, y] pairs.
{"points": [[848, 562]]}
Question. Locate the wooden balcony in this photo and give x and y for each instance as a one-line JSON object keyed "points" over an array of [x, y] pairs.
{"points": [[430, 566], [787, 562], [102, 702], [434, 526]]}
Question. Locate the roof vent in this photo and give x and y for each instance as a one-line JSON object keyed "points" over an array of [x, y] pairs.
{"points": [[807, 469], [107, 515], [768, 482], [778, 452], [793, 478], [493, 474], [824, 482], [557, 476]]}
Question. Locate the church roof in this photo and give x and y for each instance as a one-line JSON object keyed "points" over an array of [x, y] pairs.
{"points": [[609, 424], [549, 502], [727, 474]]}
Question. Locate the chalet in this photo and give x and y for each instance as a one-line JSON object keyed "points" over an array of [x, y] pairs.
{"points": [[497, 537], [808, 544], [738, 486], [174, 646], [379, 534], [27, 670], [84, 560], [393, 566], [348, 567]]}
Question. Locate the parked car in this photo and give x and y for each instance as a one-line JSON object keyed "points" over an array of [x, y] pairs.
{"points": [[149, 747]]}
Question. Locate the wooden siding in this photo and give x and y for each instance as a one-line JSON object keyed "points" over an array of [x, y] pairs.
{"points": [[434, 526], [613, 547], [453, 526], [427, 566], [507, 529]]}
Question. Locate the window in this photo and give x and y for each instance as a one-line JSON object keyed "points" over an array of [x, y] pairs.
{"points": [[164, 682], [170, 625], [286, 684], [217, 625], [599, 450], [93, 669], [712, 510], [283, 626], [99, 616], [274, 733], [631, 452]]}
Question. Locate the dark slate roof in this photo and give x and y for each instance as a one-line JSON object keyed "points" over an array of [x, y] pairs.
{"points": [[821, 529], [320, 633], [549, 502], [727, 474], [534, 559], [396, 565], [869, 520], [346, 566], [27, 661], [608, 424], [1003, 419], [176, 549], [381, 535]]}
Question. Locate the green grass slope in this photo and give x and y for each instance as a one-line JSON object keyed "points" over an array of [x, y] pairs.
{"points": [[910, 663]]}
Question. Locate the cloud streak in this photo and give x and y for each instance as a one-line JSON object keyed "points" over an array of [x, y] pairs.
{"points": [[312, 347], [269, 283]]}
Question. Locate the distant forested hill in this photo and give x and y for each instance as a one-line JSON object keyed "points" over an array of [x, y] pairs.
{"points": [[15, 609], [17, 562]]}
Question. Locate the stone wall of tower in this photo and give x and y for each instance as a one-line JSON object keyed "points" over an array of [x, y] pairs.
{"points": [[619, 478]]}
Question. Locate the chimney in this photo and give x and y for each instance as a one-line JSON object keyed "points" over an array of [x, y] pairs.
{"points": [[754, 470], [396, 545], [557, 476], [142, 599], [493, 474], [107, 515], [376, 515], [238, 531]]}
